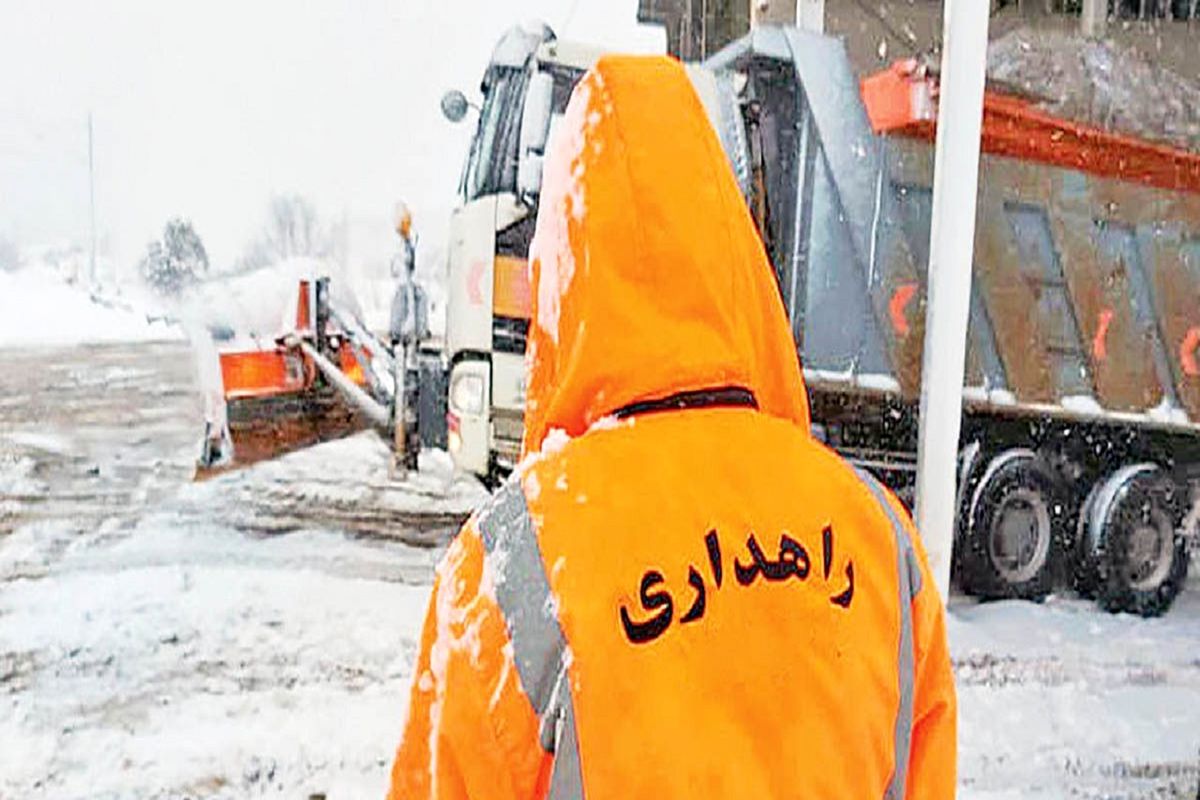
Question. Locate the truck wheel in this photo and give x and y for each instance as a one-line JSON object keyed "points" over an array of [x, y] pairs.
{"points": [[1138, 555], [1014, 540]]}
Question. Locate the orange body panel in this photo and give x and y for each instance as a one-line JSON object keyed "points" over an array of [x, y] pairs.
{"points": [[510, 287], [649, 280], [349, 364], [258, 373], [254, 373]]}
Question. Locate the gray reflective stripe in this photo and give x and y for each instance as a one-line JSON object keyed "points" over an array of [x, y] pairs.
{"points": [[908, 571], [539, 647], [558, 727]]}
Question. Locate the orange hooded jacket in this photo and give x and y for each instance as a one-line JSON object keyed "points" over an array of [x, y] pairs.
{"points": [[680, 593]]}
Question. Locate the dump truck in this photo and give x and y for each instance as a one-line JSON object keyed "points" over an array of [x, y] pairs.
{"points": [[1082, 396]]}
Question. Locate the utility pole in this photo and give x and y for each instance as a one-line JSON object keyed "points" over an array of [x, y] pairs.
{"points": [[1093, 22], [91, 203], [951, 252]]}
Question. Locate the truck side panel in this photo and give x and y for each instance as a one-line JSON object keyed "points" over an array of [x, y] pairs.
{"points": [[1088, 293]]}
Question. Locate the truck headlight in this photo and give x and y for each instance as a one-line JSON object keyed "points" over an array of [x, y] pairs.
{"points": [[466, 394]]}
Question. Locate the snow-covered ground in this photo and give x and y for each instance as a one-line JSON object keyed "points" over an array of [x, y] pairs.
{"points": [[253, 635], [173, 660], [161, 638], [38, 307], [1062, 700]]}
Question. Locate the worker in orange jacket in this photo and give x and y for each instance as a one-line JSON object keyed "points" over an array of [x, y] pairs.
{"points": [[680, 593]]}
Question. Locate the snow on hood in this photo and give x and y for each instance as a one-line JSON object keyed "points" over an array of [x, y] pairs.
{"points": [[648, 274]]}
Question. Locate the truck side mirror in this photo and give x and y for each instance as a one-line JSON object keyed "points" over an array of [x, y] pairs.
{"points": [[454, 105], [535, 131]]}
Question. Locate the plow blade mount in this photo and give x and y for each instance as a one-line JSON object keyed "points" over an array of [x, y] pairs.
{"points": [[311, 387]]}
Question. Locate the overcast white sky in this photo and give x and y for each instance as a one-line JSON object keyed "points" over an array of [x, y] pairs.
{"points": [[204, 109]]}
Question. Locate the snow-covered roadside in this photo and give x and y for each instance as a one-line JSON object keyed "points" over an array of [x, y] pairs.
{"points": [[152, 642], [171, 661], [180, 659], [39, 308], [1063, 700]]}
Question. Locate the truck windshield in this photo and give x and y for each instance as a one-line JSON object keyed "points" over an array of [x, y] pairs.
{"points": [[492, 164]]}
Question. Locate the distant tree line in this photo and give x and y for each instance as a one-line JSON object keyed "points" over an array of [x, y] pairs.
{"points": [[178, 259]]}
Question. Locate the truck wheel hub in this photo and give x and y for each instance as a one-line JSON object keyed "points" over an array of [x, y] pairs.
{"points": [[1020, 536], [1151, 546]]}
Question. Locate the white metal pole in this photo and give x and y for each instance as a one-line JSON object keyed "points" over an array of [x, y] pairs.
{"points": [[810, 15], [952, 240], [1093, 21]]}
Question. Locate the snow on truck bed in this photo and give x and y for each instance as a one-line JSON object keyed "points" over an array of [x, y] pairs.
{"points": [[1100, 82]]}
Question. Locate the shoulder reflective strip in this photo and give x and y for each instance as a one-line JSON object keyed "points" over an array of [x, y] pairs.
{"points": [[908, 572], [539, 647], [522, 592]]}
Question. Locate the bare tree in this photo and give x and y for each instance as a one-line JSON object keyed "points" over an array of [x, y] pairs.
{"points": [[293, 229]]}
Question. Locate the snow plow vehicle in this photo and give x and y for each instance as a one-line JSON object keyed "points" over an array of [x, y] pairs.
{"points": [[1081, 430]]}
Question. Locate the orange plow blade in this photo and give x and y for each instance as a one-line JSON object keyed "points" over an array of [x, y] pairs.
{"points": [[275, 402]]}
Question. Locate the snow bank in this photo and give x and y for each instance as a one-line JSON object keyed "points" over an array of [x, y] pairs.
{"points": [[40, 308], [344, 479]]}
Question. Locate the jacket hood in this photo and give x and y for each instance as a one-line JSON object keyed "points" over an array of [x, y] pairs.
{"points": [[648, 275]]}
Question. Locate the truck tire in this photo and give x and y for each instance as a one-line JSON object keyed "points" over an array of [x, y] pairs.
{"points": [[971, 463], [1083, 571], [1137, 555], [1014, 541]]}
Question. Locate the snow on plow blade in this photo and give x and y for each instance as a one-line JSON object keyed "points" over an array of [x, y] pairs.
{"points": [[308, 388]]}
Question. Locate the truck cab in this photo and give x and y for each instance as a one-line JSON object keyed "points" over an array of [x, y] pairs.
{"points": [[525, 90]]}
